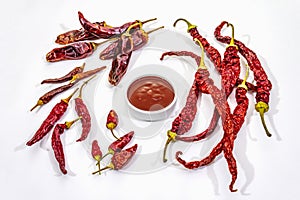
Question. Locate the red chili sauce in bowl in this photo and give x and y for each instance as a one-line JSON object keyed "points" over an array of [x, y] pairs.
{"points": [[150, 93]]}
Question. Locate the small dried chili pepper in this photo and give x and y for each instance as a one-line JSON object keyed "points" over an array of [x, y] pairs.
{"points": [[139, 39], [78, 35], [46, 98], [112, 122], [56, 113], [120, 159], [74, 51], [83, 75], [57, 145], [96, 153], [263, 84], [66, 77], [105, 32], [118, 68], [119, 144], [83, 112]]}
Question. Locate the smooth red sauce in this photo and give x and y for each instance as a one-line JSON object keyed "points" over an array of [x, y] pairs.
{"points": [[150, 93]]}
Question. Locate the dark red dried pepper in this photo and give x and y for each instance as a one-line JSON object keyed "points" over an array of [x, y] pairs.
{"points": [[66, 77], [139, 39], [263, 84], [57, 145], [104, 31], [120, 159], [78, 35], [74, 51], [83, 112], [83, 75], [118, 68], [47, 97], [112, 121], [56, 113]]}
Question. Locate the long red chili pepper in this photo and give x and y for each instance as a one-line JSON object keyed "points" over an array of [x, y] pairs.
{"points": [[264, 85], [103, 31], [230, 71], [66, 77], [211, 52], [74, 51], [96, 153], [56, 113], [78, 35], [118, 68], [120, 159], [226, 144], [83, 75], [57, 145], [83, 112], [139, 39], [47, 97], [112, 122]]}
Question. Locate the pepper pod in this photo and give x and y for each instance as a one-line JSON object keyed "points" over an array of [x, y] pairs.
{"points": [[96, 153], [120, 159], [112, 122]]}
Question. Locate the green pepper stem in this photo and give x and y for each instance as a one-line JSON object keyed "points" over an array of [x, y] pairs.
{"points": [[201, 65], [110, 166], [261, 113], [70, 123], [39, 103], [243, 84], [190, 26], [165, 149]]}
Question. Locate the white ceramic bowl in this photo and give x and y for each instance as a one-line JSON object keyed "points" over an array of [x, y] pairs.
{"points": [[154, 115]]}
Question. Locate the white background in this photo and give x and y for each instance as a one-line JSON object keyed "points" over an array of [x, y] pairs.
{"points": [[28, 29]]}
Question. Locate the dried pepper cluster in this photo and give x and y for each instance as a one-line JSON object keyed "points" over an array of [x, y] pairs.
{"points": [[123, 41], [232, 121]]}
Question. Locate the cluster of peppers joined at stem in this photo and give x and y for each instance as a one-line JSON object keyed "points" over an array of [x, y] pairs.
{"points": [[229, 69]]}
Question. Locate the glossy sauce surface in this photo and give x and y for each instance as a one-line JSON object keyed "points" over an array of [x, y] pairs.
{"points": [[150, 93]]}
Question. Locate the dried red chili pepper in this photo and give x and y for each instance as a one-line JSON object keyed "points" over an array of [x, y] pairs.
{"points": [[139, 39], [78, 35], [74, 51], [66, 77], [226, 144], [120, 159], [57, 145], [83, 112], [211, 52], [106, 32], [119, 144], [83, 75], [118, 68], [263, 84], [47, 97], [112, 122], [56, 113], [96, 153]]}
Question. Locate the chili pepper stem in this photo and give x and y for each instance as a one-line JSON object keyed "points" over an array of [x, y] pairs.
{"points": [[201, 65], [131, 26], [84, 83], [99, 167], [110, 152], [156, 29], [66, 100], [190, 26], [262, 108], [232, 36], [165, 149], [110, 166], [70, 123], [149, 20], [112, 132], [39, 103]]}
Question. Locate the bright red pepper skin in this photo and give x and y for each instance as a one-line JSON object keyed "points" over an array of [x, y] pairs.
{"points": [[56, 113], [57, 146], [119, 144], [83, 112]]}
